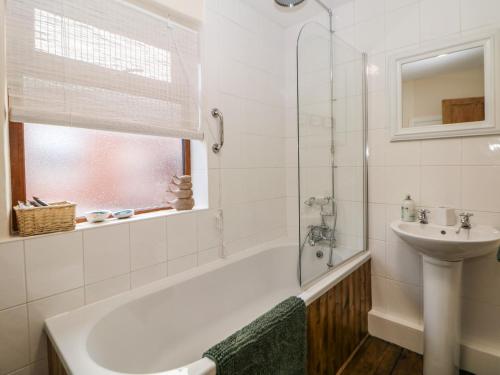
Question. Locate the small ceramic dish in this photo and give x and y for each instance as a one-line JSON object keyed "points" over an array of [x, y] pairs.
{"points": [[123, 214], [97, 216]]}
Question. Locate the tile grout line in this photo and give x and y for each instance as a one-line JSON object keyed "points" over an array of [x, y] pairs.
{"points": [[30, 354], [84, 270], [129, 256]]}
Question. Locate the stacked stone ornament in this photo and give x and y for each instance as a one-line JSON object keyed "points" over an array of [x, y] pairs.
{"points": [[181, 188]]}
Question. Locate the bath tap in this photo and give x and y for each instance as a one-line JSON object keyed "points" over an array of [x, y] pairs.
{"points": [[318, 233], [322, 232]]}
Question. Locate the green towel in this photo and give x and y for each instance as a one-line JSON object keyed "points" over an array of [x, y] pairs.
{"points": [[273, 344]]}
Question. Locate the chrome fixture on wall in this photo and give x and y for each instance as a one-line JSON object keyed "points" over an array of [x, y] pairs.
{"points": [[325, 232], [465, 221], [289, 3], [216, 147], [293, 3], [422, 216]]}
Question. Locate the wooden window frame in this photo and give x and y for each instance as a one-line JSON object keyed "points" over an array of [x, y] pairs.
{"points": [[18, 169]]}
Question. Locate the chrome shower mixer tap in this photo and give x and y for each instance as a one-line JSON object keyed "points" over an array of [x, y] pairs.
{"points": [[318, 233], [322, 232]]}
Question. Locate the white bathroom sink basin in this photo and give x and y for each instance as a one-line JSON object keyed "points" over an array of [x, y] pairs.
{"points": [[444, 243]]}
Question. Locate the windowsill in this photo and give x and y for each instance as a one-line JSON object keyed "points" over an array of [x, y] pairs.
{"points": [[148, 216], [109, 222]]}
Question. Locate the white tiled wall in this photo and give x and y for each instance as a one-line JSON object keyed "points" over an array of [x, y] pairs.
{"points": [[47, 275], [463, 173], [40, 277], [244, 54]]}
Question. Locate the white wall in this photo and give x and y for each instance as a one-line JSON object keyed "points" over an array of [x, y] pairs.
{"points": [[188, 12], [244, 59], [40, 277], [463, 172], [191, 8]]}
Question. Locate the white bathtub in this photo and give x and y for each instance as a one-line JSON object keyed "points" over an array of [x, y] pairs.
{"points": [[164, 327]]}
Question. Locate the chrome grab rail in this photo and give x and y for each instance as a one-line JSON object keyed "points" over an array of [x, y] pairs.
{"points": [[216, 147]]}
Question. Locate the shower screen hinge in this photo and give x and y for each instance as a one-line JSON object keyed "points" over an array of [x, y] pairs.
{"points": [[332, 149]]}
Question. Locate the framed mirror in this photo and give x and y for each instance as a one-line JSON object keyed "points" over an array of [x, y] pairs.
{"points": [[446, 89]]}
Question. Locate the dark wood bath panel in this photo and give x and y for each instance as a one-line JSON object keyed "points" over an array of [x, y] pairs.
{"points": [[337, 323], [55, 365]]}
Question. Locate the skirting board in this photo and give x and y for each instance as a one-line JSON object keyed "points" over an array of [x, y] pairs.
{"points": [[480, 361]]}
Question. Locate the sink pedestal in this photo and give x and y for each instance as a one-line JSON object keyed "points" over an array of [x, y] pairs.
{"points": [[444, 249], [442, 291]]}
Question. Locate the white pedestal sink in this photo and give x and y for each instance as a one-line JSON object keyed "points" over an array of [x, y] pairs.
{"points": [[443, 251]]}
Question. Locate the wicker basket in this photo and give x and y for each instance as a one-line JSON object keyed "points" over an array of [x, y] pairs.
{"points": [[57, 217]]}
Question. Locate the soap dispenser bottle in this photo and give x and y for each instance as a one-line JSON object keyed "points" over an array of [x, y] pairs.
{"points": [[408, 209]]}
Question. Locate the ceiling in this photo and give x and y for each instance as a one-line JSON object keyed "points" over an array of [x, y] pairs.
{"points": [[287, 17]]}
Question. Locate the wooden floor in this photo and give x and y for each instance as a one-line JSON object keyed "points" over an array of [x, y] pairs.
{"points": [[377, 357]]}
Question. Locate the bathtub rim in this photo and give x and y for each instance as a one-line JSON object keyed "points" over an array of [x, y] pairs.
{"points": [[86, 317]]}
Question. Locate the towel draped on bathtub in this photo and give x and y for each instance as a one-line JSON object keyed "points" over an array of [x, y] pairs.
{"points": [[273, 344]]}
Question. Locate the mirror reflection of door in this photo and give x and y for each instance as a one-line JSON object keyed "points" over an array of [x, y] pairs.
{"points": [[456, 111], [444, 89]]}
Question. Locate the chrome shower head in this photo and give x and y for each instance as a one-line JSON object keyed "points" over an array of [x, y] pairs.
{"points": [[288, 3]]}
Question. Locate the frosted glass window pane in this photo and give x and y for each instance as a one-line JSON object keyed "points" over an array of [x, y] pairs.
{"points": [[99, 169]]}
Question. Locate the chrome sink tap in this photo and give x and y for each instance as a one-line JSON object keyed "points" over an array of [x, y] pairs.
{"points": [[465, 221], [422, 216]]}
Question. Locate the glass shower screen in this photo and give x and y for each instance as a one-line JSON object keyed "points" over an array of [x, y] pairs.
{"points": [[331, 89]]}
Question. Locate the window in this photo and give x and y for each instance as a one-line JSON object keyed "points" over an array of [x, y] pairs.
{"points": [[101, 108], [96, 169]]}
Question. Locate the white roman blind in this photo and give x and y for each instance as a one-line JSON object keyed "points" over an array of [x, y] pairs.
{"points": [[102, 64]]}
